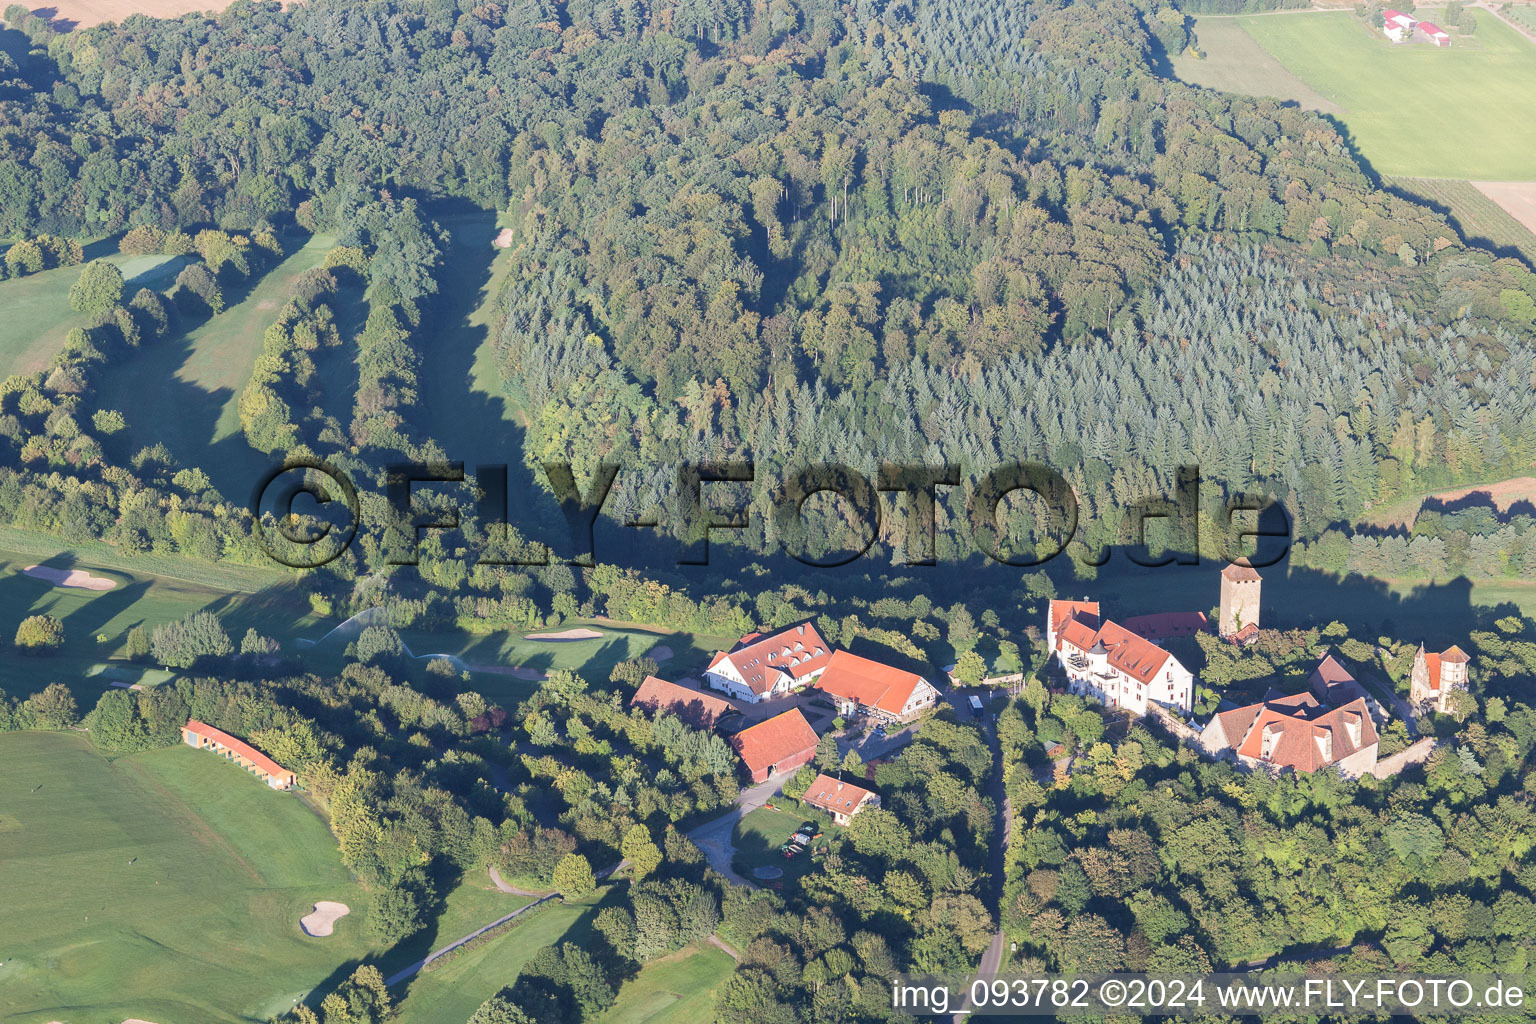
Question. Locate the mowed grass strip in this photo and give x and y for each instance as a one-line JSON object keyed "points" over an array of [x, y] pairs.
{"points": [[1417, 110], [1234, 62], [88, 665], [167, 885], [184, 391], [38, 316], [677, 989]]}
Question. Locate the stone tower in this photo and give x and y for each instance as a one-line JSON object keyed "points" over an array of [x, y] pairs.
{"points": [[1240, 587]]}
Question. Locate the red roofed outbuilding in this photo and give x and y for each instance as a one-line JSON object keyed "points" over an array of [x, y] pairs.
{"points": [[781, 744], [206, 737], [700, 710], [840, 799]]}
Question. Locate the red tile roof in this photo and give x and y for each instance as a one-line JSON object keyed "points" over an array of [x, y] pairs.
{"points": [[835, 795], [1240, 574], [1455, 655], [798, 650], [1305, 736], [690, 705], [1084, 611], [236, 746], [1429, 28], [1432, 662], [868, 683], [1133, 655], [776, 740], [1166, 624]]}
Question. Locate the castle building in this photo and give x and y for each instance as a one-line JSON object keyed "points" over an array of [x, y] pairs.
{"points": [[1434, 676], [1240, 586], [1113, 665]]}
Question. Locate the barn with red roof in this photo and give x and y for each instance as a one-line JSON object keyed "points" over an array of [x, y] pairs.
{"points": [[781, 744]]}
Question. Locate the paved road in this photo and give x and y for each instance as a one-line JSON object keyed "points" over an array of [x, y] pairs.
{"points": [[713, 837], [992, 958], [402, 975]]}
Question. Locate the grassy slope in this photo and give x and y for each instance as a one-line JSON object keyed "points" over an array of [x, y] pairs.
{"points": [[37, 312], [1418, 110], [167, 885], [677, 989], [452, 993], [1233, 62], [139, 597], [185, 391]]}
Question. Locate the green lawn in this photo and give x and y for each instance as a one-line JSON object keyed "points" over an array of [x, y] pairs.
{"points": [[677, 989], [37, 312], [594, 658], [167, 885], [1414, 110], [760, 834], [184, 391], [89, 666], [1233, 62]]}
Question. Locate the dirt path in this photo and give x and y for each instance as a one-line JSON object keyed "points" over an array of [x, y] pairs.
{"points": [[507, 887], [413, 969], [724, 947]]}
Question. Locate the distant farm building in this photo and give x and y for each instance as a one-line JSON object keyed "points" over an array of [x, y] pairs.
{"points": [[1397, 26], [205, 737], [781, 744], [1433, 33], [882, 692], [762, 667], [700, 710], [840, 799]]}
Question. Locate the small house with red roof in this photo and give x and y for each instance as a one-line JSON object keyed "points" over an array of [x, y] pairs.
{"points": [[1296, 733], [1333, 684], [1434, 676], [700, 710], [1397, 26], [205, 737], [781, 744], [1112, 664], [861, 686], [840, 799], [761, 667]]}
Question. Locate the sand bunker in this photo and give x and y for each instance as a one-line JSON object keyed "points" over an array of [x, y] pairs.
{"points": [[69, 577], [503, 239], [659, 653], [137, 1020], [324, 918], [565, 634]]}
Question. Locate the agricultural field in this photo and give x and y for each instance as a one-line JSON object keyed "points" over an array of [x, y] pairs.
{"points": [[96, 622], [167, 886], [1480, 220], [1468, 119], [677, 989], [1523, 14], [38, 314], [1234, 62], [184, 391]]}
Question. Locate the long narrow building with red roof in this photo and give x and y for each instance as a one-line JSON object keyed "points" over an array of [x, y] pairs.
{"points": [[206, 737], [700, 710]]}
